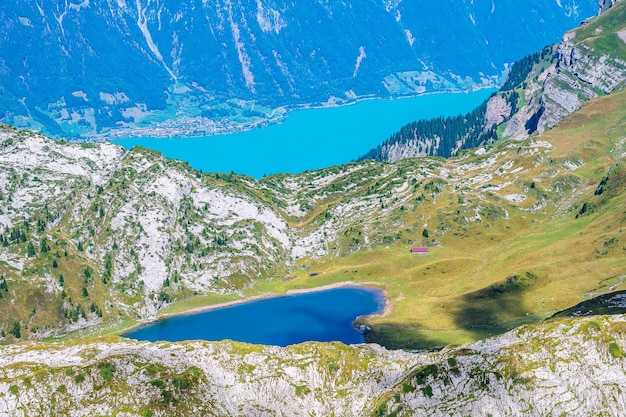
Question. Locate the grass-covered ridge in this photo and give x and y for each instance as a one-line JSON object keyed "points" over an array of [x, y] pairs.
{"points": [[602, 34]]}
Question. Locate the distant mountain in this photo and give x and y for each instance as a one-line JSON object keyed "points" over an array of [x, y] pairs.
{"points": [[160, 67]]}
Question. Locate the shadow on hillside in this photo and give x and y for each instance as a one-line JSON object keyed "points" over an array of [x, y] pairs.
{"points": [[495, 309], [611, 303], [488, 311], [396, 337]]}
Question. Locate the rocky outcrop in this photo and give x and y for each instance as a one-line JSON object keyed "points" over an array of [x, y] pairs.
{"points": [[498, 110], [605, 5], [581, 73], [569, 366], [411, 148], [565, 368]]}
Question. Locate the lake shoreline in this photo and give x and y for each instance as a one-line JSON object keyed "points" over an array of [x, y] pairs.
{"points": [[327, 135], [121, 135], [202, 309]]}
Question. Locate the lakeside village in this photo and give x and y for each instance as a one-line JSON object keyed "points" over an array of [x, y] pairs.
{"points": [[188, 127]]}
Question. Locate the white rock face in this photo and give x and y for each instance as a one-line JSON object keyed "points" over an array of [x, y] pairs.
{"points": [[580, 74], [566, 367], [498, 110], [412, 148]]}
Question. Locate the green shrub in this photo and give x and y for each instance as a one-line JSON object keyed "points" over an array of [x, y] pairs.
{"points": [[107, 371], [16, 330], [181, 382], [302, 389], [425, 372], [157, 383], [407, 388], [168, 397], [615, 350]]}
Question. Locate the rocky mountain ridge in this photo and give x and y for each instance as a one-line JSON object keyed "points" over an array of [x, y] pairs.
{"points": [[584, 70], [605, 5], [569, 367]]}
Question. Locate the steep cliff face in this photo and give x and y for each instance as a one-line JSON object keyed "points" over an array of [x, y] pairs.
{"points": [[498, 110], [580, 75], [196, 67]]}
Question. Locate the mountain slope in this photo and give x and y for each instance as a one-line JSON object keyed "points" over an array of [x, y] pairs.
{"points": [[196, 67], [541, 90], [95, 237]]}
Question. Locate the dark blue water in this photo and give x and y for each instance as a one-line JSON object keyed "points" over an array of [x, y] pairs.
{"points": [[322, 316], [311, 138]]}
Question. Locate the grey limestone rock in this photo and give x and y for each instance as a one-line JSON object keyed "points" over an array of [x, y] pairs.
{"points": [[605, 5]]}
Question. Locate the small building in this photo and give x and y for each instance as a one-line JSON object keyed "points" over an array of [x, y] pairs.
{"points": [[419, 250]]}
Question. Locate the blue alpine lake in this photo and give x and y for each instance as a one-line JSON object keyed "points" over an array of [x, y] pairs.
{"points": [[309, 138], [322, 316]]}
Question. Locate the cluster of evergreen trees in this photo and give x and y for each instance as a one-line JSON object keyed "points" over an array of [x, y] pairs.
{"points": [[467, 129], [16, 234], [4, 288], [522, 68], [20, 233]]}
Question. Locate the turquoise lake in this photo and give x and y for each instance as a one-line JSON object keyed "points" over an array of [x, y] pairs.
{"points": [[323, 316], [309, 138]]}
